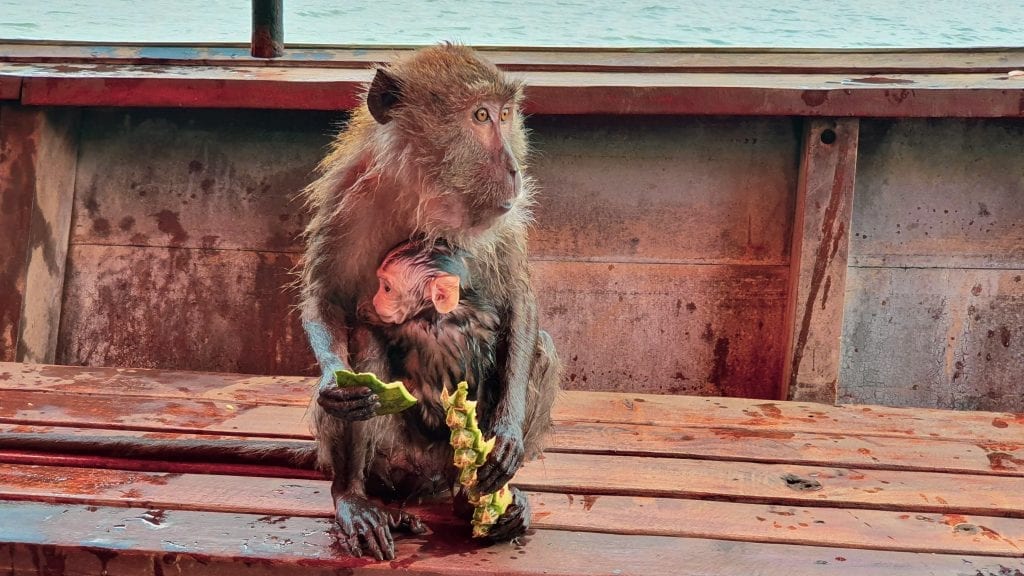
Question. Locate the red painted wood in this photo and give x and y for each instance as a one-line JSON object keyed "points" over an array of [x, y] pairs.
{"points": [[926, 95], [10, 87]]}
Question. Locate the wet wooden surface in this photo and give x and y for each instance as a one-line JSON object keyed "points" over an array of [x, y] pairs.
{"points": [[580, 90], [131, 471], [760, 60]]}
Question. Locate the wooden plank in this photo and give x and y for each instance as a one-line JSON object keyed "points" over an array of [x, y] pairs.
{"points": [[778, 446], [924, 492], [171, 308], [775, 483], [939, 194], [954, 337], [821, 228], [665, 410], [229, 387], [611, 59], [824, 95], [665, 328], [865, 529], [871, 529], [196, 179], [156, 386], [683, 190], [746, 444], [55, 157], [191, 464], [82, 539], [154, 414], [22, 442]]}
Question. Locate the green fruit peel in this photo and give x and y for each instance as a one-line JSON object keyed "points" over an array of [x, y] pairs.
{"points": [[393, 397]]}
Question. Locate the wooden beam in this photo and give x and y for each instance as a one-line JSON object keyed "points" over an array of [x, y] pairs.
{"points": [[821, 238], [56, 161], [36, 189], [15, 216], [730, 60], [548, 92]]}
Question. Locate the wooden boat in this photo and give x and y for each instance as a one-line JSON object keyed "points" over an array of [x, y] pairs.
{"points": [[727, 244]]}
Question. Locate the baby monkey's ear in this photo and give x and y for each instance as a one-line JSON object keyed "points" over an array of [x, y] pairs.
{"points": [[444, 292]]}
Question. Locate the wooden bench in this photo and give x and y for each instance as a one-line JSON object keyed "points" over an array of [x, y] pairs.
{"points": [[109, 471]]}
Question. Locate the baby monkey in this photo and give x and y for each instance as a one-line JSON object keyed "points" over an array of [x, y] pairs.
{"points": [[426, 326], [414, 277]]}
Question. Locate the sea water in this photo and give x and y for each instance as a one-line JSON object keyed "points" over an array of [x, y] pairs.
{"points": [[615, 23]]}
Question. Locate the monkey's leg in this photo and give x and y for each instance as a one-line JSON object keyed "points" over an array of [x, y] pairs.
{"points": [[544, 380], [529, 428], [545, 377]]}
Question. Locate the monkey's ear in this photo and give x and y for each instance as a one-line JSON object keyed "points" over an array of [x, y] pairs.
{"points": [[383, 95], [444, 292]]}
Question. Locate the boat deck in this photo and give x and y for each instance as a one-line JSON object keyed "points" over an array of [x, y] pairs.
{"points": [[117, 471]]}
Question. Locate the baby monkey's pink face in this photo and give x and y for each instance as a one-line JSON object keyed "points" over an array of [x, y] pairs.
{"points": [[409, 285]]}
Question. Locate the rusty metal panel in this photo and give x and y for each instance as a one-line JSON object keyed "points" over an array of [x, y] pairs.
{"points": [[673, 329], [195, 179], [219, 310], [946, 193], [946, 338], [664, 189]]}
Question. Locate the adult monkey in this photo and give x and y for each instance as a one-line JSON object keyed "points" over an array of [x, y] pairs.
{"points": [[436, 150]]}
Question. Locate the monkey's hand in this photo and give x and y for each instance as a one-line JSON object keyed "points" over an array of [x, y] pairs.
{"points": [[503, 461], [514, 522], [364, 527], [349, 404]]}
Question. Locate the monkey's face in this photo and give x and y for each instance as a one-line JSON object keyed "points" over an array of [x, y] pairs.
{"points": [[407, 288], [458, 117], [396, 299]]}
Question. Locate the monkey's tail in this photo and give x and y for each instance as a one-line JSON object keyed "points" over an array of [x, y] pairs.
{"points": [[160, 451]]}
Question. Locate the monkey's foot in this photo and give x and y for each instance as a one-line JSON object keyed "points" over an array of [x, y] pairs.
{"points": [[514, 522], [362, 526]]}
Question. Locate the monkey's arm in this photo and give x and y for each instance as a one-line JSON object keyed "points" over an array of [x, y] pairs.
{"points": [[329, 347], [520, 342]]}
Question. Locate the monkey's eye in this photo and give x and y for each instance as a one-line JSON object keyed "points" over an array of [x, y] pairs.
{"points": [[505, 113], [387, 287], [482, 115]]}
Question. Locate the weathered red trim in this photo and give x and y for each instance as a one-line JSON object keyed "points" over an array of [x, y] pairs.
{"points": [[10, 87], [907, 95]]}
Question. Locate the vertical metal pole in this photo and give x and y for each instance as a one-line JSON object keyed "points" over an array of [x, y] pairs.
{"points": [[267, 28]]}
